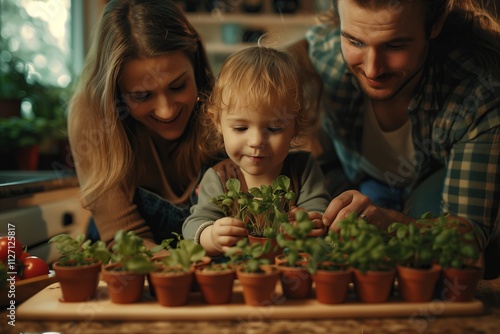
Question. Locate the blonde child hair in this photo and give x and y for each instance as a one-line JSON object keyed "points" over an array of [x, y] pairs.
{"points": [[266, 80]]}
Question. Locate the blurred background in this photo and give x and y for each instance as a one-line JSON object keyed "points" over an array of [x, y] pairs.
{"points": [[43, 44]]}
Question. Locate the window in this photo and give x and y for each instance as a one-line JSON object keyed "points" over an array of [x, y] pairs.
{"points": [[39, 33], [41, 55]]}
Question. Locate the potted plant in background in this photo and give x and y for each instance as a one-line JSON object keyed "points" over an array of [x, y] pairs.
{"points": [[130, 262], [413, 249], [173, 277], [20, 138], [330, 269], [79, 266], [370, 256], [34, 129], [295, 279], [258, 279], [455, 243]]}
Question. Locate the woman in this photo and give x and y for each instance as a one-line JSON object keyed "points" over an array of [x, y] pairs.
{"points": [[133, 121]]}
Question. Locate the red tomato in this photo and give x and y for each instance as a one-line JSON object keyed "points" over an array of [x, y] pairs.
{"points": [[9, 246], [33, 267], [24, 255]]}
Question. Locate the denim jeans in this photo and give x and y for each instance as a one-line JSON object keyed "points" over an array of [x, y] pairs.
{"points": [[162, 216]]}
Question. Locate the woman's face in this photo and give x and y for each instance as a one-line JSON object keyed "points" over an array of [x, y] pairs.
{"points": [[160, 93]]}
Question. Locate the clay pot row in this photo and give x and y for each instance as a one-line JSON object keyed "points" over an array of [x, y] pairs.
{"points": [[216, 287]]}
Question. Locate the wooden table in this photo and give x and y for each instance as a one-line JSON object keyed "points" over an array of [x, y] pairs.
{"points": [[488, 322]]}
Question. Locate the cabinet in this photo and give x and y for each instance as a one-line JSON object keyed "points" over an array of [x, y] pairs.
{"points": [[224, 33]]}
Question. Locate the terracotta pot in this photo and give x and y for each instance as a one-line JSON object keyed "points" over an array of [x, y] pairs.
{"points": [[417, 285], [204, 262], [258, 288], [459, 285], [124, 287], [172, 288], [27, 157], [216, 286], [78, 284], [10, 108], [374, 286], [332, 287], [275, 249], [296, 282]]}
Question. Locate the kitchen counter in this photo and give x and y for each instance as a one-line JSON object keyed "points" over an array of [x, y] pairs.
{"points": [[489, 322], [19, 183], [36, 205]]}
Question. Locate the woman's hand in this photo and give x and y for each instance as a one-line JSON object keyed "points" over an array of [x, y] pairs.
{"points": [[354, 201]]}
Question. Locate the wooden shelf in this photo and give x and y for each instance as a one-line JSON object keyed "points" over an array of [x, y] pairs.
{"points": [[268, 20], [222, 48], [280, 30]]}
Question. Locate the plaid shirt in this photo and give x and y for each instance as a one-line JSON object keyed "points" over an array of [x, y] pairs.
{"points": [[455, 119]]}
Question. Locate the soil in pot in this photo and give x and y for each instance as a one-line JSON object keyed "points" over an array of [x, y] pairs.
{"points": [[417, 285], [258, 288], [172, 288], [123, 287], [332, 287], [216, 286], [459, 285], [374, 286], [78, 284]]}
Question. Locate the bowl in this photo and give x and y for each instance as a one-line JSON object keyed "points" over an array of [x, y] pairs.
{"points": [[24, 289]]}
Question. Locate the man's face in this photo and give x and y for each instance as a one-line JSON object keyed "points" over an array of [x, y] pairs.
{"points": [[384, 48]]}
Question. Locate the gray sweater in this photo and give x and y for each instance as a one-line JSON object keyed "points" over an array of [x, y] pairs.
{"points": [[312, 194]]}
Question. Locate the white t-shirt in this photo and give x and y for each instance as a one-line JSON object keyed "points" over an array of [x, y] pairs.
{"points": [[387, 155]]}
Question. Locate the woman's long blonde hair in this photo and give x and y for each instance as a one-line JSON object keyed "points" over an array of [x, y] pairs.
{"points": [[268, 81], [100, 129]]}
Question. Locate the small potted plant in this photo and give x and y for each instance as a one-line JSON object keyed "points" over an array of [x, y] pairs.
{"points": [[370, 256], [216, 282], [130, 262], [256, 276], [269, 207], [295, 280], [415, 257], [263, 209], [79, 266], [172, 280], [455, 243], [329, 268]]}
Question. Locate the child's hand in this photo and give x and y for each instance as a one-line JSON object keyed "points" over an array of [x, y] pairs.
{"points": [[226, 232], [319, 228]]}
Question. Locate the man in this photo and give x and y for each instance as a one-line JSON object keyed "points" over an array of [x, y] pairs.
{"points": [[410, 101]]}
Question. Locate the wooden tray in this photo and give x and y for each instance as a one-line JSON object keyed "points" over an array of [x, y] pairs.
{"points": [[46, 305]]}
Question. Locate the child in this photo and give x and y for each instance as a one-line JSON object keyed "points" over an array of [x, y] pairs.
{"points": [[257, 112]]}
